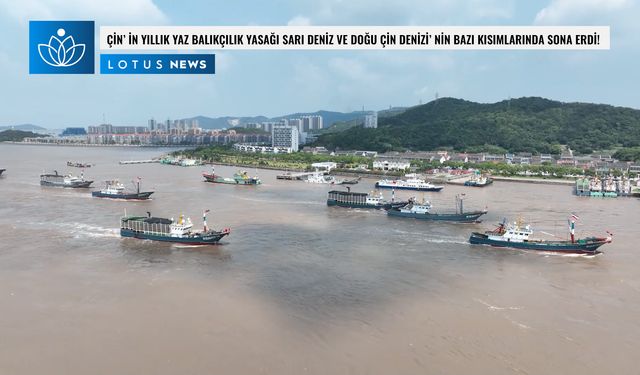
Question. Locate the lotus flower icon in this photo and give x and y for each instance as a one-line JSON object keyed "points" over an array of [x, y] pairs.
{"points": [[61, 53]]}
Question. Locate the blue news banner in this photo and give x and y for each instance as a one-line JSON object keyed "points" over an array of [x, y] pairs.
{"points": [[157, 64]]}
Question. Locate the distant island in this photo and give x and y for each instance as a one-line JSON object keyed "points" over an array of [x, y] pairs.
{"points": [[531, 124], [18, 135], [24, 127]]}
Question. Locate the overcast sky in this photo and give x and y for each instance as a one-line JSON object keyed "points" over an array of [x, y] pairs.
{"points": [[273, 83]]}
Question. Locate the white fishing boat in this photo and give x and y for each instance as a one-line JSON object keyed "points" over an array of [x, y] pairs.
{"points": [[411, 183]]}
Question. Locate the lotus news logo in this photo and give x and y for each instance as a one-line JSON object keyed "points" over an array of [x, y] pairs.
{"points": [[61, 47]]}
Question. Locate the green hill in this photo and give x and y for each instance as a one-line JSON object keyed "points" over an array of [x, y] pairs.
{"points": [[17, 135], [519, 125]]}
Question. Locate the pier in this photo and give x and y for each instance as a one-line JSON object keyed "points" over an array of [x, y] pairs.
{"points": [[148, 161], [294, 176]]}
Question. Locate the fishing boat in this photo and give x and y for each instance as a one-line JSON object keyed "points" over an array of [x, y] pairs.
{"points": [[320, 178], [78, 165], [114, 189], [478, 180], [520, 236], [411, 183], [67, 181], [348, 182], [240, 178], [424, 211], [361, 200], [168, 230]]}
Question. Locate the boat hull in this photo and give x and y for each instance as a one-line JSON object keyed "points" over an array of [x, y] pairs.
{"points": [[74, 185], [586, 246], [201, 239], [396, 187], [477, 184], [467, 217], [130, 196]]}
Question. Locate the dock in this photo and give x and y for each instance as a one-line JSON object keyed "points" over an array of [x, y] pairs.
{"points": [[140, 161], [294, 176]]}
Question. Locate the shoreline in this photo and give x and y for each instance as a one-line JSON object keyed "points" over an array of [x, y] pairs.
{"points": [[343, 173], [95, 145]]}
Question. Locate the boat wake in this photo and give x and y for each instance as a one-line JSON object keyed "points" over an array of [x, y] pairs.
{"points": [[306, 203], [492, 307], [568, 255], [84, 230], [430, 238]]}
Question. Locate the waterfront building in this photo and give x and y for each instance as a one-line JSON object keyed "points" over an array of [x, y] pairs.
{"points": [[325, 166], [255, 148], [71, 132], [391, 164]]}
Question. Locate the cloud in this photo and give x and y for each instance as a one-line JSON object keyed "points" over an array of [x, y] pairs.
{"points": [[579, 11], [408, 12], [135, 12], [299, 21]]}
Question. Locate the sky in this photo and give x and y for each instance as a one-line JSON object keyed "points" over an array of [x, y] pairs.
{"points": [[273, 83]]}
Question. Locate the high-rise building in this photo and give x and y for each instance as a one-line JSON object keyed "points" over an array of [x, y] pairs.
{"points": [[310, 123], [285, 136], [297, 123], [371, 120], [152, 125]]}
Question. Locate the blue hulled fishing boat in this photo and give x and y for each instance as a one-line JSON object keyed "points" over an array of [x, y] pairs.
{"points": [[423, 211], [519, 236], [116, 190]]}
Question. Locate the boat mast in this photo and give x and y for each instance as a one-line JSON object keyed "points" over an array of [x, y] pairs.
{"points": [[459, 206], [204, 221], [572, 227]]}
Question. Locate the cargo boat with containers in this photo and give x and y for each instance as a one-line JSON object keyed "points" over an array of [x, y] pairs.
{"points": [[168, 230], [373, 200]]}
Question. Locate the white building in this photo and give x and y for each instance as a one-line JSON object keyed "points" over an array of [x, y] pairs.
{"points": [[391, 164], [285, 136], [261, 149], [371, 120], [325, 166]]}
